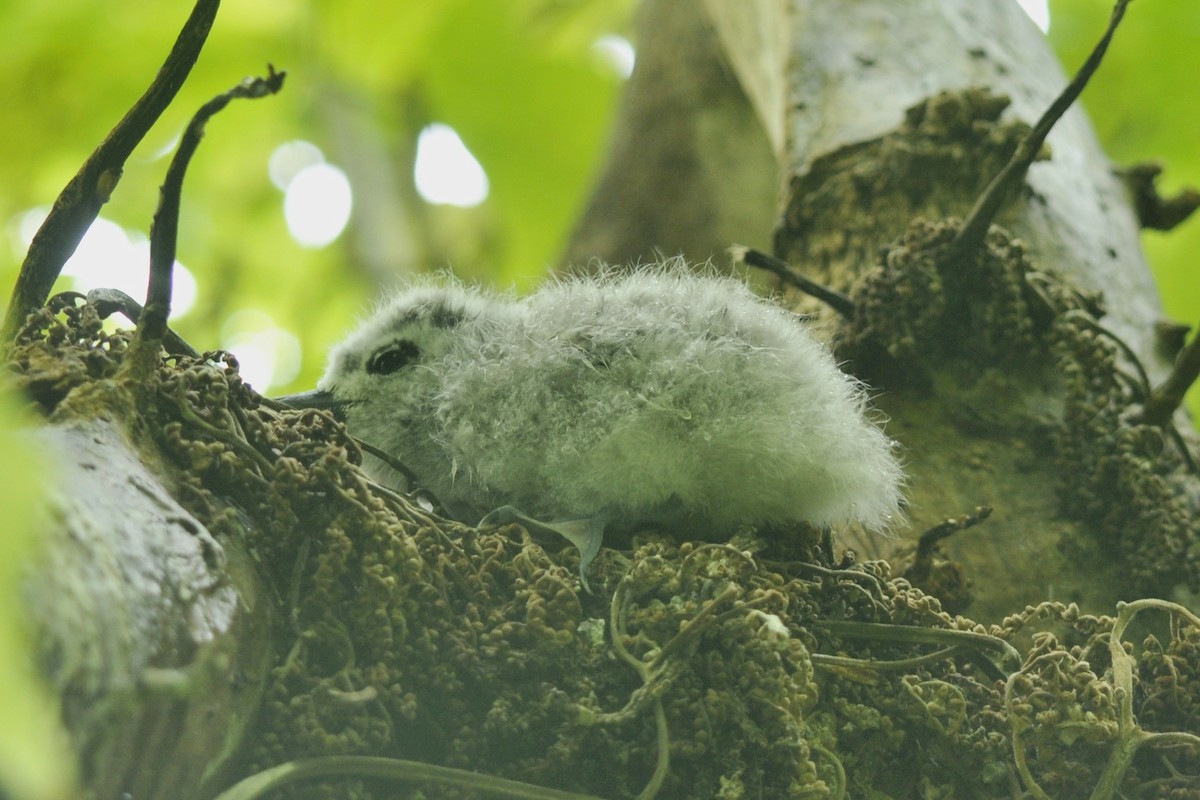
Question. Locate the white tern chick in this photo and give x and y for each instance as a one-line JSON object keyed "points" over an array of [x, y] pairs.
{"points": [[660, 397]]}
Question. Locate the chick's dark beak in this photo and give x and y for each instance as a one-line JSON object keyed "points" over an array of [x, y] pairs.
{"points": [[318, 399]]}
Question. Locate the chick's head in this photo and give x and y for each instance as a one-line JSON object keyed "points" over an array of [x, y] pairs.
{"points": [[385, 376]]}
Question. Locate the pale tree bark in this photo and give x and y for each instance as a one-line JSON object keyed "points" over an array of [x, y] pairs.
{"points": [[831, 85]]}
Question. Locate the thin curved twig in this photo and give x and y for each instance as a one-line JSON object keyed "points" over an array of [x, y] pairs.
{"points": [[79, 203], [872, 665], [975, 227], [111, 301], [839, 302], [948, 637], [1163, 399], [152, 327]]}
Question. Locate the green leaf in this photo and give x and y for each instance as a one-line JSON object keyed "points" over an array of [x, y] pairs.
{"points": [[35, 760]]}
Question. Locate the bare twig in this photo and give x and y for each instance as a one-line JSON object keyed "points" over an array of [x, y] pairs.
{"points": [[111, 301], [923, 561], [77, 206], [1004, 185], [152, 326], [777, 266], [1165, 398], [1155, 211]]}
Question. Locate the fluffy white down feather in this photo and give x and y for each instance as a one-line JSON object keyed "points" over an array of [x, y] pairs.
{"points": [[660, 396]]}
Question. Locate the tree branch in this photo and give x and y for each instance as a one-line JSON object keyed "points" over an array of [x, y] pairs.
{"points": [[751, 257], [77, 206], [923, 561], [1160, 405], [1155, 211], [975, 226]]}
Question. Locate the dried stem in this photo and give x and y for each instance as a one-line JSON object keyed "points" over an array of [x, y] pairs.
{"points": [[152, 326], [1165, 398], [929, 539], [839, 302], [1131, 737], [1004, 185], [79, 203]]}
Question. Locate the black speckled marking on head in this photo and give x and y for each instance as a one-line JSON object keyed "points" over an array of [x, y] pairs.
{"points": [[437, 315], [442, 316], [348, 363]]}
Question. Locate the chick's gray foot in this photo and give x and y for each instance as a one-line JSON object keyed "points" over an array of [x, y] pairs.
{"points": [[586, 534]]}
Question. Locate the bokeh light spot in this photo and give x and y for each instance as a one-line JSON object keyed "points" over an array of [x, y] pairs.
{"points": [[317, 204], [616, 53], [1038, 11], [110, 257], [445, 171], [267, 354], [290, 159]]}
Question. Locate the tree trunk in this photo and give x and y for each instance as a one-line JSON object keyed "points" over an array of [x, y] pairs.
{"points": [[893, 113]]}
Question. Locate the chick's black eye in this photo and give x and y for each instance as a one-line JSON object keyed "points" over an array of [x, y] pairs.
{"points": [[396, 355]]}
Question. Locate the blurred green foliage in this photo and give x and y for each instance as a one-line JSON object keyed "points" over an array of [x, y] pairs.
{"points": [[518, 79], [34, 760], [1145, 104]]}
